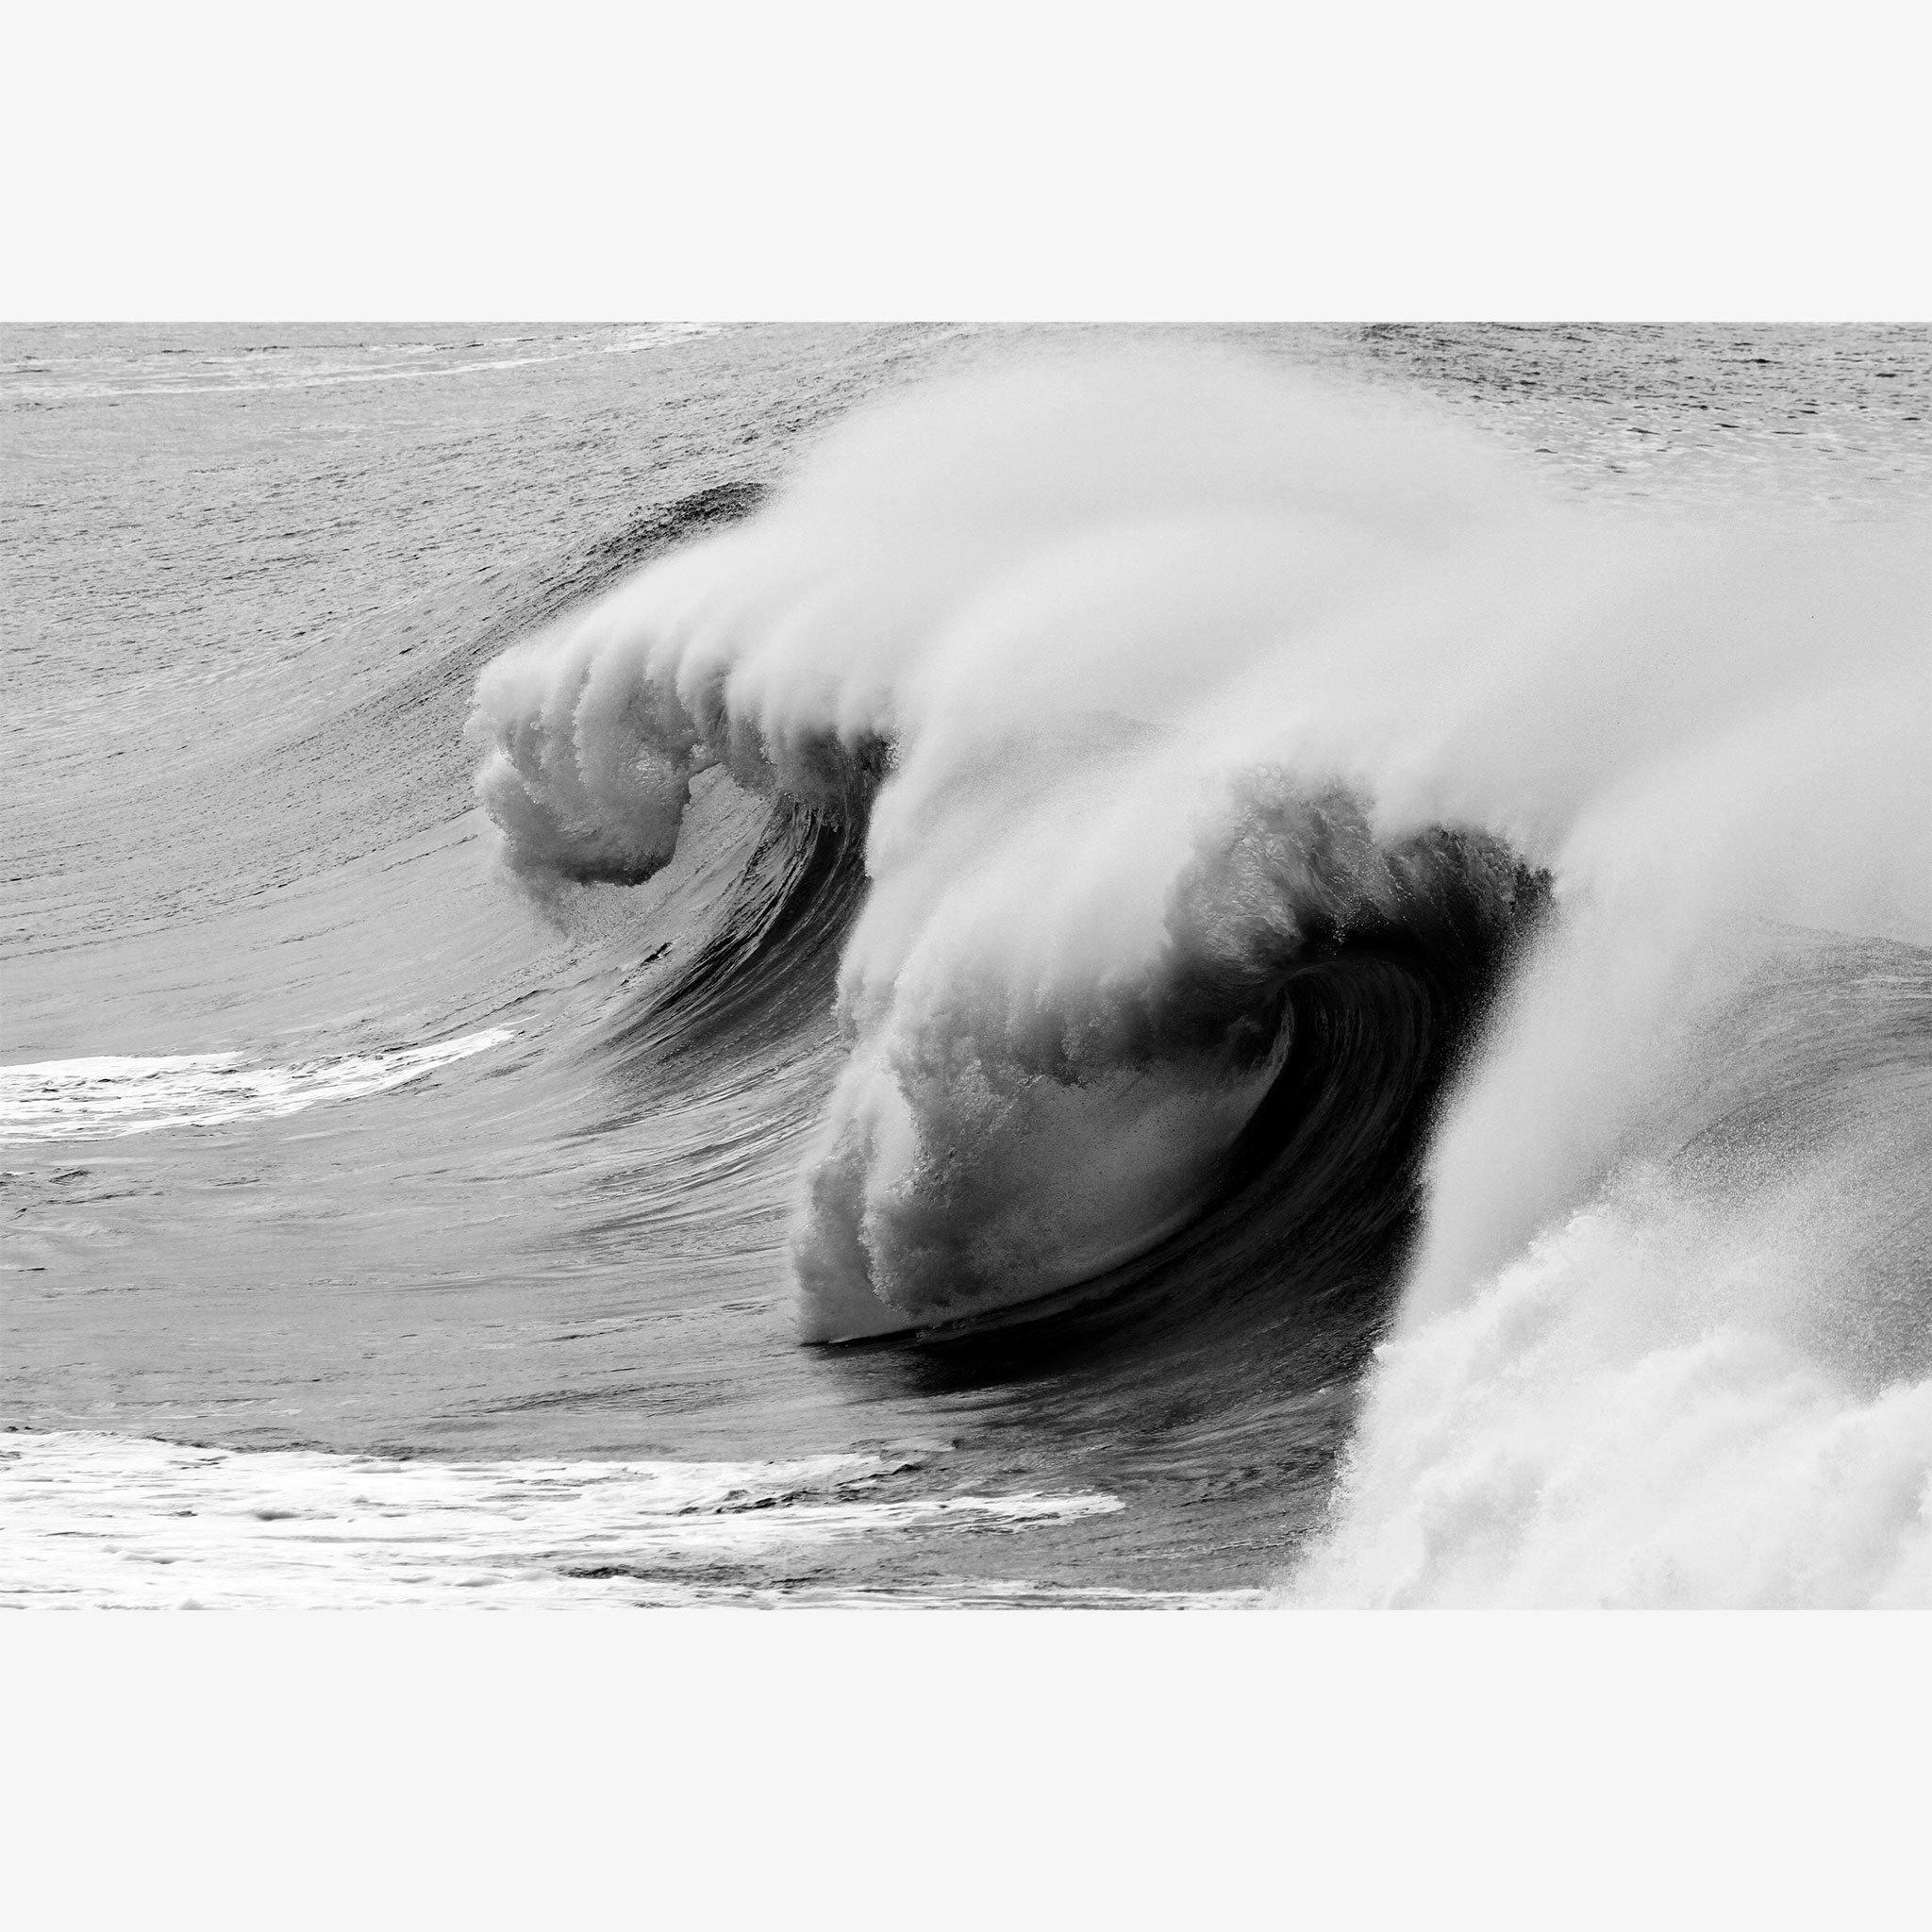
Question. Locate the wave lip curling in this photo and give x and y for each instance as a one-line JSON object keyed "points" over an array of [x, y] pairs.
{"points": [[1175, 678]]}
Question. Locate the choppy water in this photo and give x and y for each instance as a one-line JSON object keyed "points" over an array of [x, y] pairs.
{"points": [[447, 1220]]}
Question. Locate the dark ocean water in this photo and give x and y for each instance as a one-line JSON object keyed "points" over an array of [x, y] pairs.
{"points": [[383, 1224]]}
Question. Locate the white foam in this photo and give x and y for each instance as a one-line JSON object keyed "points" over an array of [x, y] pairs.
{"points": [[1631, 1417], [106, 1521], [107, 1096]]}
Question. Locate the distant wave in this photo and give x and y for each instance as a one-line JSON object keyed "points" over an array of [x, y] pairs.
{"points": [[150, 378], [107, 1096], [1283, 830]]}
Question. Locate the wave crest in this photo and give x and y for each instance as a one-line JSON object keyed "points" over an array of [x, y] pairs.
{"points": [[1203, 685]]}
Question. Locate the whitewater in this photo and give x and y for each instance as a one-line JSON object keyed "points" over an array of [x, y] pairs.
{"points": [[966, 965]]}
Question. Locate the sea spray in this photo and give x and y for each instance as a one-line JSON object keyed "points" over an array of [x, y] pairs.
{"points": [[1189, 670]]}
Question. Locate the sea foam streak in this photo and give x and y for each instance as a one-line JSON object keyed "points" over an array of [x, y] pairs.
{"points": [[106, 1521], [1183, 673], [109, 1096]]}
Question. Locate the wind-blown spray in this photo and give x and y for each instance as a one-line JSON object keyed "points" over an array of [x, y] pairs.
{"points": [[1182, 673]]}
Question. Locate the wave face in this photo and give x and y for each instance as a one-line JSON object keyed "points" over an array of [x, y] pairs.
{"points": [[1256, 821]]}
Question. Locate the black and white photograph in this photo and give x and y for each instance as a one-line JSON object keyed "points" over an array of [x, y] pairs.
{"points": [[1255, 949], [675, 962]]}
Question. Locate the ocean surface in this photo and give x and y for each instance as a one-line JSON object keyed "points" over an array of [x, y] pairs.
{"points": [[918, 964]]}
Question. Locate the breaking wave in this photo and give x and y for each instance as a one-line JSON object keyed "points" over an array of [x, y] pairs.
{"points": [[1283, 885]]}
